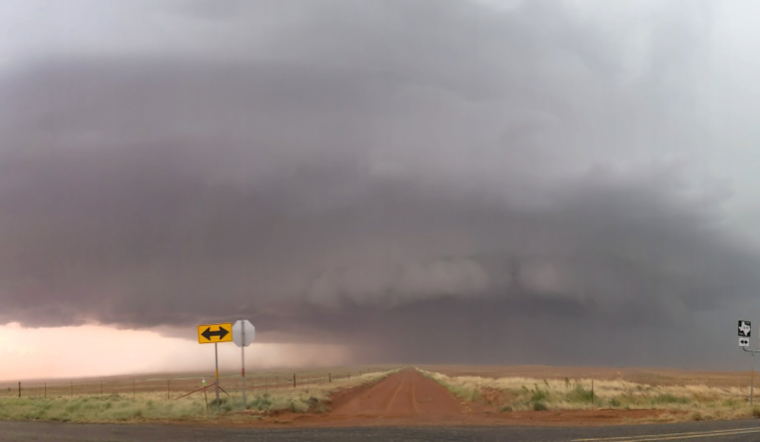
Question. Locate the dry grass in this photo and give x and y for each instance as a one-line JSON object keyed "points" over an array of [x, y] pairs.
{"points": [[648, 376], [313, 398], [695, 401], [156, 407], [176, 384]]}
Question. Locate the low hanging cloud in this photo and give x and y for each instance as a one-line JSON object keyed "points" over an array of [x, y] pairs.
{"points": [[433, 173], [395, 282]]}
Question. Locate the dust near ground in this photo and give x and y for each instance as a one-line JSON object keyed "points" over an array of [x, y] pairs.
{"points": [[408, 398]]}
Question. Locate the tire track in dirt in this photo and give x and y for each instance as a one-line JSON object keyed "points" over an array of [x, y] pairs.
{"points": [[404, 394], [414, 399], [389, 407]]}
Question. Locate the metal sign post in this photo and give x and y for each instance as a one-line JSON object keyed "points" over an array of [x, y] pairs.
{"points": [[214, 334], [745, 333], [242, 368], [243, 333], [216, 372], [752, 376]]}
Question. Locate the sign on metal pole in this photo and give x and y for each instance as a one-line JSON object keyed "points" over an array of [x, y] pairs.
{"points": [[745, 332], [213, 333], [243, 333]]}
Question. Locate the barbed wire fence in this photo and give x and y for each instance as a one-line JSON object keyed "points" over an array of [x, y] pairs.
{"points": [[174, 387]]}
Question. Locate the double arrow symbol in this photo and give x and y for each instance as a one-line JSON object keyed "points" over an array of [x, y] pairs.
{"points": [[213, 333], [221, 333]]}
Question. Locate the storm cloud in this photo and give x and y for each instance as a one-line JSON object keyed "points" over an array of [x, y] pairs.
{"points": [[429, 181]]}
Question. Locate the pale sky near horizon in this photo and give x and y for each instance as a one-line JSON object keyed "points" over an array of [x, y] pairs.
{"points": [[473, 181], [92, 351]]}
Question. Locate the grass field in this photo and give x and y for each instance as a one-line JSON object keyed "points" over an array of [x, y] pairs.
{"points": [[176, 384], [649, 376], [685, 395], [155, 406], [693, 395]]}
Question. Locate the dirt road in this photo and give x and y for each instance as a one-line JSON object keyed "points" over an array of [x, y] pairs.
{"points": [[406, 394], [408, 398]]}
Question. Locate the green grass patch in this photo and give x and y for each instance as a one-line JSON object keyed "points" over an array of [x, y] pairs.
{"points": [[539, 395], [578, 394], [260, 403]]}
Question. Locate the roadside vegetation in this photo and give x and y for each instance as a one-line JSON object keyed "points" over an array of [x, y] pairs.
{"points": [[695, 402], [156, 407]]}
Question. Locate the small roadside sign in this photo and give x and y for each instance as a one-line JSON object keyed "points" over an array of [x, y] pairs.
{"points": [[243, 333], [213, 333], [745, 329]]}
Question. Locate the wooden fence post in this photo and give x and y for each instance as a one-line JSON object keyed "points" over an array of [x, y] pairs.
{"points": [[19, 389], [294, 384]]}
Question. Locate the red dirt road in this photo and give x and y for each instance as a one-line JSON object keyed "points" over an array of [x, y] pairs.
{"points": [[406, 394], [408, 398]]}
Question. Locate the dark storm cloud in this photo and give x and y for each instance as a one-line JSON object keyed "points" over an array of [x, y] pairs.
{"points": [[422, 177]]}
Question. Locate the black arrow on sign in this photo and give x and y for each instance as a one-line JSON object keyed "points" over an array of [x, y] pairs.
{"points": [[222, 332]]}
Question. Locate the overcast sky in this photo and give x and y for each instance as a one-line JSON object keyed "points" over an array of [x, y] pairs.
{"points": [[561, 182]]}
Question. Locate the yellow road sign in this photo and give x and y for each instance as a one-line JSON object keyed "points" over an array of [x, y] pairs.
{"points": [[211, 333]]}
